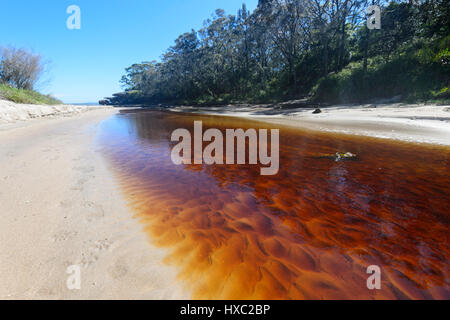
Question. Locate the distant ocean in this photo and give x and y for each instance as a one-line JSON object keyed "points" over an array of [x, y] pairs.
{"points": [[85, 104]]}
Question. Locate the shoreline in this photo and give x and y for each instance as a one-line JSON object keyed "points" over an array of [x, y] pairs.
{"points": [[411, 123], [62, 205], [428, 124], [11, 112]]}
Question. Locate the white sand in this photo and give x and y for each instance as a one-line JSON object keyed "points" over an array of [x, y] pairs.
{"points": [[60, 206], [414, 123], [11, 112]]}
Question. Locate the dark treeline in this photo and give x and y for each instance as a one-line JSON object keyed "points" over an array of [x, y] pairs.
{"points": [[295, 48]]}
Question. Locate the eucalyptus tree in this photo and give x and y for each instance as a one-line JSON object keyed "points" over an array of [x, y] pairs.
{"points": [[285, 19]]}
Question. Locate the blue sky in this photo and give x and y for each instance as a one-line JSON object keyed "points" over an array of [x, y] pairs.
{"points": [[86, 65]]}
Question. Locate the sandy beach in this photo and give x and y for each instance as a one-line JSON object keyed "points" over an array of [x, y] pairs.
{"points": [[413, 123], [60, 206]]}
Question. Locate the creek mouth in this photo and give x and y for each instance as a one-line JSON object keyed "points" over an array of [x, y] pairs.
{"points": [[309, 232]]}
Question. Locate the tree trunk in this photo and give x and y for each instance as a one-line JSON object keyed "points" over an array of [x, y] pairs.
{"points": [[366, 50], [342, 48], [325, 59]]}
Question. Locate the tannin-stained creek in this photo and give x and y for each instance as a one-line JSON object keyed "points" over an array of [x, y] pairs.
{"points": [[309, 232]]}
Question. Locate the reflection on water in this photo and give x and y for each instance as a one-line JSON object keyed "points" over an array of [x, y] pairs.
{"points": [[309, 232]]}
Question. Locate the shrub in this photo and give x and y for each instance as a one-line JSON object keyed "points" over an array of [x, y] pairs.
{"points": [[20, 68], [414, 77]]}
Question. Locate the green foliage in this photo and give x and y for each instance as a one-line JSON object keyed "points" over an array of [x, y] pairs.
{"points": [[290, 49], [26, 96], [442, 95], [405, 58], [405, 76]]}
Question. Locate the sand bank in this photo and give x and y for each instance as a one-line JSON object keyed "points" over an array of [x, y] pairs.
{"points": [[414, 123], [11, 112], [61, 206]]}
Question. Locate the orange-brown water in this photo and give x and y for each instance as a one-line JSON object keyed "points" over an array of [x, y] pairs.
{"points": [[308, 232]]}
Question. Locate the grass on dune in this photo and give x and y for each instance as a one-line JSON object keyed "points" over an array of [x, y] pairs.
{"points": [[26, 96]]}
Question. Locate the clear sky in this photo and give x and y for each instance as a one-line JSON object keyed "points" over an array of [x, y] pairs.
{"points": [[87, 64]]}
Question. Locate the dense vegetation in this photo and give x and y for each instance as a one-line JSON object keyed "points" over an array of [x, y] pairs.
{"points": [[295, 48], [20, 70]]}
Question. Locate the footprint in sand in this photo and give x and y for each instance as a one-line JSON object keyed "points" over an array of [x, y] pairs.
{"points": [[79, 158], [84, 169], [66, 204], [79, 186], [101, 245], [119, 269], [94, 211], [89, 258], [64, 236], [94, 252]]}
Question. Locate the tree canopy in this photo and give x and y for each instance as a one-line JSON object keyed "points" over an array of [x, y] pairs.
{"points": [[295, 48]]}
